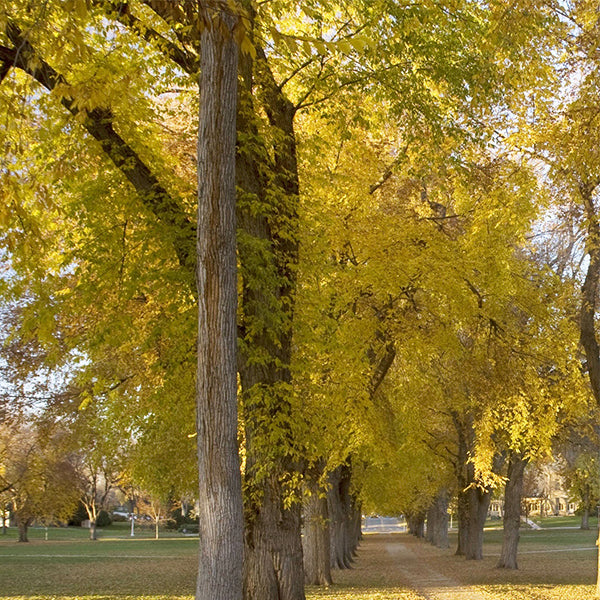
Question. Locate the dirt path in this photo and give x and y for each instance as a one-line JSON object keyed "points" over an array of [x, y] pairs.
{"points": [[400, 560]]}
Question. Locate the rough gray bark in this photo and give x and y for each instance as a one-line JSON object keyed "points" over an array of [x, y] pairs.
{"points": [[93, 531], [23, 526], [220, 494], [416, 524], [512, 512], [473, 501], [437, 520], [342, 513], [268, 186], [480, 503], [273, 549], [585, 519], [589, 291], [316, 539]]}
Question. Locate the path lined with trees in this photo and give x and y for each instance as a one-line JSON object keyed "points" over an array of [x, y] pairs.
{"points": [[369, 227]]}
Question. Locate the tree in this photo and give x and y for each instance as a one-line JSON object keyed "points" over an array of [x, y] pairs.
{"points": [[156, 508], [221, 517], [298, 61], [99, 460], [37, 475], [222, 537]]}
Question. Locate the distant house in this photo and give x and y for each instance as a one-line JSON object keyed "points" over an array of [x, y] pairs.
{"points": [[544, 494]]}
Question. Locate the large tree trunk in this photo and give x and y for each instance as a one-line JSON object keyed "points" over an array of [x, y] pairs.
{"points": [[220, 495], [416, 524], [479, 502], [589, 291], [585, 519], [512, 512], [437, 520], [316, 540], [23, 526], [342, 517], [268, 185], [274, 548], [473, 500]]}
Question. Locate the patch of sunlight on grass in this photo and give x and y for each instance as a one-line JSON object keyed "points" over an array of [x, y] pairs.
{"points": [[541, 592], [344, 593], [100, 597]]}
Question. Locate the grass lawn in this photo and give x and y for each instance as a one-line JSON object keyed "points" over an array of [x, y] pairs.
{"points": [[555, 564]]}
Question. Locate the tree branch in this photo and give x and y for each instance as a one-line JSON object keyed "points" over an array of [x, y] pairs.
{"points": [[188, 61], [99, 123]]}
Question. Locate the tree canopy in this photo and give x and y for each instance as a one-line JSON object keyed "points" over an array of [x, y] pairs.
{"points": [[371, 227]]}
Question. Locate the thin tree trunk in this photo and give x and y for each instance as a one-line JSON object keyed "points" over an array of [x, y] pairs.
{"points": [[93, 532], [220, 495], [348, 514], [463, 512], [355, 526], [512, 512]]}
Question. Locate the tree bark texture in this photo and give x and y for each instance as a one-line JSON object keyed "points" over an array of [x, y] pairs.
{"points": [[585, 519], [316, 540], [416, 524], [512, 512], [473, 501], [462, 507], [273, 547], [23, 526], [437, 520], [589, 291], [93, 531], [478, 503], [268, 187], [220, 494], [343, 518]]}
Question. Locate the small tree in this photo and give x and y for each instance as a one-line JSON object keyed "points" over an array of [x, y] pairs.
{"points": [[155, 507], [99, 461], [38, 475]]}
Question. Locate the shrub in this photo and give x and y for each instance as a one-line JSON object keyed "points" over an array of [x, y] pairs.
{"points": [[79, 516], [181, 520], [103, 519]]}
